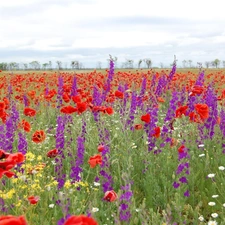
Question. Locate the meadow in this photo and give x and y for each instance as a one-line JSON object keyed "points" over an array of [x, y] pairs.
{"points": [[136, 147]]}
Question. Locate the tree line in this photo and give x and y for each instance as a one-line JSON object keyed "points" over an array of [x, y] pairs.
{"points": [[76, 65]]}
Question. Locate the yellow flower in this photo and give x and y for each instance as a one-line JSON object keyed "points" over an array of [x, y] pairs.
{"points": [[18, 204], [39, 158], [67, 184], [30, 156]]}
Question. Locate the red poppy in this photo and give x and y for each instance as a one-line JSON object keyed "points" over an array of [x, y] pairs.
{"points": [[68, 109], [181, 111], [11, 160], [52, 153], [66, 97], [138, 126], [25, 125], [160, 99], [109, 110], [81, 107], [146, 118], [157, 132], [110, 196], [196, 90], [101, 148], [33, 199], [119, 94], [6, 100], [202, 110], [173, 142], [7, 173], [38, 136], [194, 117], [3, 154], [2, 105], [94, 160], [76, 99], [80, 220], [29, 112], [181, 149], [12, 220]]}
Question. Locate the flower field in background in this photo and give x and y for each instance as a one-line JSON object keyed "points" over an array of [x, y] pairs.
{"points": [[125, 147]]}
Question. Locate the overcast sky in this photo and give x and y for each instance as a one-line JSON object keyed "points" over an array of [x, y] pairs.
{"points": [[90, 30]]}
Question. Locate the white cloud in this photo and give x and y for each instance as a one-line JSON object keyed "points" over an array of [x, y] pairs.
{"points": [[89, 30]]}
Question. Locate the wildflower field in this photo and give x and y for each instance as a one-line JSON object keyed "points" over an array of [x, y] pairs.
{"points": [[126, 147]]}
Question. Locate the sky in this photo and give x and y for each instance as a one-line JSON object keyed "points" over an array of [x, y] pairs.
{"points": [[89, 30]]}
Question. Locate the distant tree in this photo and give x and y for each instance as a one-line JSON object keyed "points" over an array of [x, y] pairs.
{"points": [[148, 62], [129, 64], [13, 66], [75, 64], [59, 65], [50, 65], [216, 63], [184, 63], [115, 61], [44, 66], [35, 65], [139, 63], [25, 66], [224, 63], [190, 63], [98, 65], [207, 64], [3, 66], [161, 65]]}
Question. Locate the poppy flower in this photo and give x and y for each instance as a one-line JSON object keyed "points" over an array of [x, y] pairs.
{"points": [[25, 125], [3, 154], [156, 132], [160, 99], [101, 148], [80, 220], [66, 97], [38, 136], [181, 149], [181, 111], [110, 196], [196, 90], [29, 112], [81, 107], [11, 160], [119, 94], [146, 118], [12, 220], [194, 117], [52, 153], [68, 109], [173, 142], [202, 110], [109, 110], [33, 199], [138, 126], [94, 160], [7, 173], [2, 105], [76, 99]]}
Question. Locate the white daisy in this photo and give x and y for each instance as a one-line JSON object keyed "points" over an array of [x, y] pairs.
{"points": [[212, 222], [221, 168], [201, 218], [211, 175], [214, 215], [211, 203]]}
